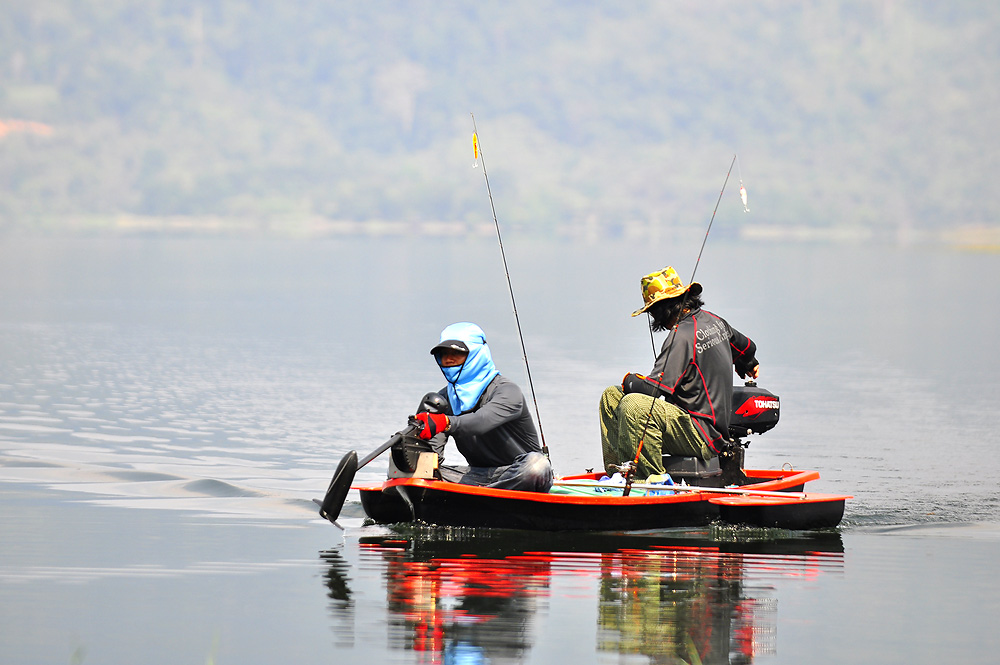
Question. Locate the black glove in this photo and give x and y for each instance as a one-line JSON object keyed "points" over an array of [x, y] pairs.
{"points": [[637, 383]]}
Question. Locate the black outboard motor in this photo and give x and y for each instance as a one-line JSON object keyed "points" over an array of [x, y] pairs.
{"points": [[755, 411], [406, 453], [434, 403]]}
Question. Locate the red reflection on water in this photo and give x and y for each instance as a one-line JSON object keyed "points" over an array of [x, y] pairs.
{"points": [[443, 595], [693, 603]]}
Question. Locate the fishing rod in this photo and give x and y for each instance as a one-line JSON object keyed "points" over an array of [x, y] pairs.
{"points": [[709, 229], [673, 333], [478, 153], [705, 240]]}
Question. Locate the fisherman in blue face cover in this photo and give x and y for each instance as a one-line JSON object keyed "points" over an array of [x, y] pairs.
{"points": [[489, 418]]}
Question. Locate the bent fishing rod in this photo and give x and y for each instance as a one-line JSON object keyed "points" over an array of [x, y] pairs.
{"points": [[630, 471], [478, 153], [704, 240]]}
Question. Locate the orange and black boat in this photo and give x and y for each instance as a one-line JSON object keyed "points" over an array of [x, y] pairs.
{"points": [[696, 496], [584, 503]]}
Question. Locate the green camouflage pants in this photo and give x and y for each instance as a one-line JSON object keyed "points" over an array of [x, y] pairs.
{"points": [[670, 432]]}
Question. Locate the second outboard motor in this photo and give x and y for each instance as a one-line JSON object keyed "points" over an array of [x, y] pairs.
{"points": [[755, 410]]}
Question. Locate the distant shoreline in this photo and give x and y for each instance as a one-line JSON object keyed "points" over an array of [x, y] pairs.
{"points": [[968, 237]]}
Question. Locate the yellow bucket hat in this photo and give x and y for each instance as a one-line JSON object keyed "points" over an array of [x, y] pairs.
{"points": [[662, 285]]}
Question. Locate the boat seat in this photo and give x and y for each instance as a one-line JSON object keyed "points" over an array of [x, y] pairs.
{"points": [[694, 470]]}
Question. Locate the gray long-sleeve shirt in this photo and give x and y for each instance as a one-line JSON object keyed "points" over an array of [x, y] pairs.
{"points": [[498, 429]]}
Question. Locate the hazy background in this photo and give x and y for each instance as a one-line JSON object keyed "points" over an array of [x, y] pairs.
{"points": [[598, 119], [222, 262]]}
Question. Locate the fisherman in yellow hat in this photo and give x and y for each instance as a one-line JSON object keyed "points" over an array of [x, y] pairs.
{"points": [[682, 407]]}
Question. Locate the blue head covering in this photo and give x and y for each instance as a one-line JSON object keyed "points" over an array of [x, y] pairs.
{"points": [[466, 382]]}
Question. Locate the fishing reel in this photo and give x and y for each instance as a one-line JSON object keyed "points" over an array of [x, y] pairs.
{"points": [[624, 468]]}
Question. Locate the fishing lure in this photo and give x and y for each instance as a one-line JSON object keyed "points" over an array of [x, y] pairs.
{"points": [[743, 190]]}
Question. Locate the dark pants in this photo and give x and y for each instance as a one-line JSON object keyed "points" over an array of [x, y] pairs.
{"points": [[530, 472]]}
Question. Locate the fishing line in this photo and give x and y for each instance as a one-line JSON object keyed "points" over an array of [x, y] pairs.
{"points": [[477, 150], [709, 230], [673, 334], [697, 262]]}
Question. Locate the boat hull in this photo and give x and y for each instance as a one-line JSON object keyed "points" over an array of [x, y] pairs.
{"points": [[815, 511], [450, 504]]}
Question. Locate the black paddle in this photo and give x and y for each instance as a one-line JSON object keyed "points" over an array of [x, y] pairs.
{"points": [[340, 484]]}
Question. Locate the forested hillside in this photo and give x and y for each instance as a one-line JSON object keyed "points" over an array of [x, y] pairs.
{"points": [[873, 115]]}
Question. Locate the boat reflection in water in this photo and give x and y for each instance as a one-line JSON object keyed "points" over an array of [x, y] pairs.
{"points": [[461, 595]]}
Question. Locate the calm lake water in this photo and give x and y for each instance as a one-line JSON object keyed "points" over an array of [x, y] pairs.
{"points": [[169, 408]]}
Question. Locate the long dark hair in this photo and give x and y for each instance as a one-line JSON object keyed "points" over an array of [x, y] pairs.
{"points": [[664, 313]]}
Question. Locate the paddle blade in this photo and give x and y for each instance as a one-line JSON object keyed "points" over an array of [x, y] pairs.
{"points": [[340, 485]]}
